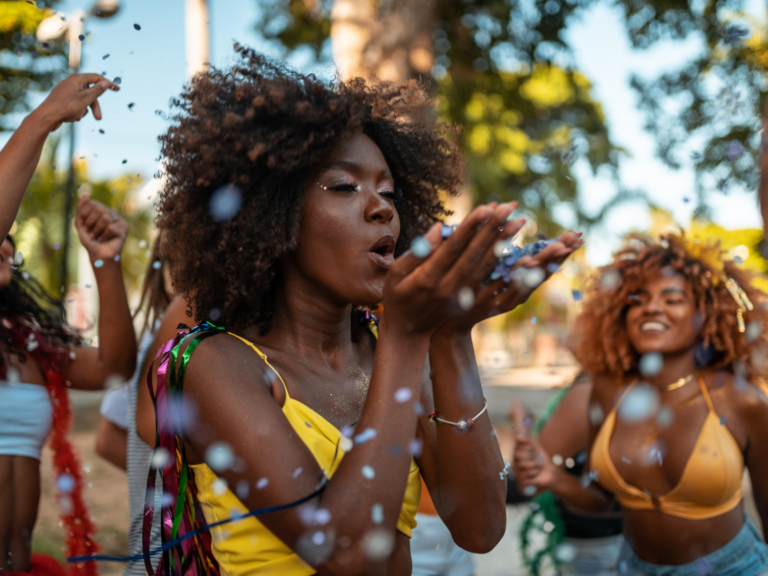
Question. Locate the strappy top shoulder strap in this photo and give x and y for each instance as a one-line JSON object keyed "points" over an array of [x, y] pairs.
{"points": [[624, 394], [263, 357], [705, 393]]}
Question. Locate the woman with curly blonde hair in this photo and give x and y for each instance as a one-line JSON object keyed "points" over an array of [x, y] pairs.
{"points": [[672, 336]]}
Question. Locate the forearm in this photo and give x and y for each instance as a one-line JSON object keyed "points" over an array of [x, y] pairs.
{"points": [[571, 489], [375, 472], [468, 463], [117, 339], [18, 160]]}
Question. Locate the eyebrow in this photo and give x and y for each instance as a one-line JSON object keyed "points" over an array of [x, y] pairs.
{"points": [[353, 167]]}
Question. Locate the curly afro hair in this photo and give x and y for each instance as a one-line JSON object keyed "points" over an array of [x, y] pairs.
{"points": [[262, 128], [601, 344]]}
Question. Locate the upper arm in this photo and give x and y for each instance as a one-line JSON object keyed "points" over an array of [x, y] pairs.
{"points": [[754, 415], [567, 430], [228, 389], [83, 369], [175, 314]]}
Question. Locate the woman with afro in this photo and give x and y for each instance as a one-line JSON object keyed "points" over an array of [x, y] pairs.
{"points": [[290, 205], [673, 336]]}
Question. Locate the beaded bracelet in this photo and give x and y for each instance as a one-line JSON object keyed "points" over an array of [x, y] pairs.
{"points": [[461, 424]]}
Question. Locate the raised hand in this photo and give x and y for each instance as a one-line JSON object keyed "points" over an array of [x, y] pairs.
{"points": [[421, 290], [102, 231], [70, 99], [499, 297], [532, 465]]}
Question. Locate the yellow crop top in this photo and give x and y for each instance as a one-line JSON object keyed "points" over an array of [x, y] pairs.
{"points": [[711, 480], [247, 547]]}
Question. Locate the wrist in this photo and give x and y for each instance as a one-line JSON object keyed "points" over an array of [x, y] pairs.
{"points": [[451, 333], [402, 334], [40, 120]]}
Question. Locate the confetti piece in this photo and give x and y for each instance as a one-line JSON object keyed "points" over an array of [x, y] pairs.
{"points": [[420, 247], [65, 483], [98, 264], [117, 80], [640, 403], [368, 472], [403, 395], [159, 458], [262, 483], [219, 456], [529, 491], [365, 436], [377, 513], [225, 203], [577, 295], [651, 364], [156, 265], [105, 56], [466, 298], [137, 27], [722, 420]]}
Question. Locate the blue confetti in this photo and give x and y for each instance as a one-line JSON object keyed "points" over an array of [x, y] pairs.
{"points": [[225, 203], [577, 295]]}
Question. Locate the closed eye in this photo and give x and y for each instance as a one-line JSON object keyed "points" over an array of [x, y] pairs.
{"points": [[394, 195], [344, 187]]}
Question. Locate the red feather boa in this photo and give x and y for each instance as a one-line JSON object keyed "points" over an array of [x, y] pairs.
{"points": [[78, 524]]}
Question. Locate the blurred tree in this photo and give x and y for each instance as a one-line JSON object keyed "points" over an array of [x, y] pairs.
{"points": [[38, 226], [504, 70], [506, 77], [25, 64]]}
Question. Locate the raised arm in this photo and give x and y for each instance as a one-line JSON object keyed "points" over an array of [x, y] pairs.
{"points": [[464, 470], [67, 102], [533, 464], [102, 232]]}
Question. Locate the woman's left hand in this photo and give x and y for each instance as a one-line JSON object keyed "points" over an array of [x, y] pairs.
{"points": [[101, 229], [498, 297]]}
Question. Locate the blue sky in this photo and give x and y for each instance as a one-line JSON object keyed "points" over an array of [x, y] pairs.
{"points": [[151, 64]]}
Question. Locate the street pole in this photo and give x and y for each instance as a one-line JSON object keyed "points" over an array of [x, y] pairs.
{"points": [[76, 28]]}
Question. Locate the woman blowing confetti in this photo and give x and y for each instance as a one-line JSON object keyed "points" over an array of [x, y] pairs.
{"points": [[674, 338], [40, 355], [286, 204]]}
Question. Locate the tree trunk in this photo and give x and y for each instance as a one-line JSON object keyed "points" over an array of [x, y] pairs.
{"points": [[386, 39]]}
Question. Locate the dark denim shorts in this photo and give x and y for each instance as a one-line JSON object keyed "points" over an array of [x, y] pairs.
{"points": [[745, 555]]}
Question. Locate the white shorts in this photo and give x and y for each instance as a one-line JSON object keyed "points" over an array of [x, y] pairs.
{"points": [[433, 551]]}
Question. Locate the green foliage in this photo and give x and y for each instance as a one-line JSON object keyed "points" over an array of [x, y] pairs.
{"points": [[25, 64], [504, 70], [39, 227]]}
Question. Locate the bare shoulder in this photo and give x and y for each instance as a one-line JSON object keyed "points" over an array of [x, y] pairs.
{"points": [[224, 360], [747, 401], [605, 390]]}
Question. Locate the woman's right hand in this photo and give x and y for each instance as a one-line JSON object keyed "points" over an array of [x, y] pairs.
{"points": [[70, 99], [420, 292], [532, 465]]}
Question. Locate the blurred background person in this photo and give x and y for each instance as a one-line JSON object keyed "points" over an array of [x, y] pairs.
{"points": [[672, 337], [33, 396], [592, 540]]}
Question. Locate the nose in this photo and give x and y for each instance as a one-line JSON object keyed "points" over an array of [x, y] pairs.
{"points": [[377, 208], [653, 306]]}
